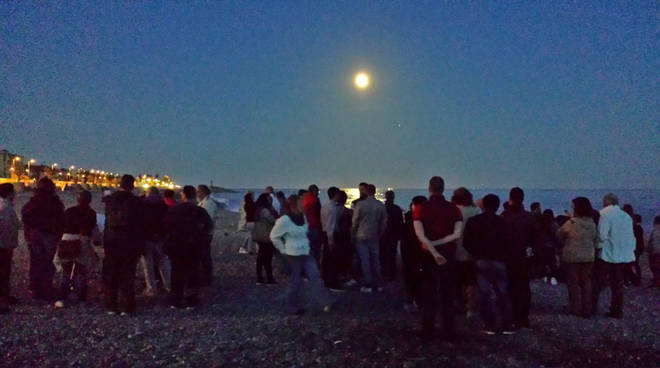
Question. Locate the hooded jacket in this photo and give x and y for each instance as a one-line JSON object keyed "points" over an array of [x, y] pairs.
{"points": [[580, 240], [43, 213]]}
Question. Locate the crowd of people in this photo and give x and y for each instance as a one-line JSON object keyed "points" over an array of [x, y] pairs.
{"points": [[456, 254]]}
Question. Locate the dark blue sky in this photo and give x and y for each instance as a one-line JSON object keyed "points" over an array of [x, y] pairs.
{"points": [[253, 93]]}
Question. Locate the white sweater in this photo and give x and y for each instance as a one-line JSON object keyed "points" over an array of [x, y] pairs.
{"points": [[289, 238]]}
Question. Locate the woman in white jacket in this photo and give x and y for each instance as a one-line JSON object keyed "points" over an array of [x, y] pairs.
{"points": [[289, 235]]}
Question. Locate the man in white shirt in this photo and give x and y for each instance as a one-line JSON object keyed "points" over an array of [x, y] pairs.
{"points": [[205, 201], [616, 248]]}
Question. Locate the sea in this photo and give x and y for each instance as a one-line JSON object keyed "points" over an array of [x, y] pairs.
{"points": [[645, 202]]}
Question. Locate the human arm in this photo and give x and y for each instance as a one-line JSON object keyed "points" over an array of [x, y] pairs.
{"points": [[603, 231], [277, 234], [458, 231], [426, 243], [562, 232]]}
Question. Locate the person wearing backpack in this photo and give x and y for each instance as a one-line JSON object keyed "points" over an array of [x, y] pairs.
{"points": [[75, 255], [123, 243]]}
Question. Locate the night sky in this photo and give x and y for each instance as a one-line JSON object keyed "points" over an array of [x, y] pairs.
{"points": [[248, 94]]}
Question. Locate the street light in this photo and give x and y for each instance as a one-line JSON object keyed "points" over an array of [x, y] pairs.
{"points": [[28, 169]]}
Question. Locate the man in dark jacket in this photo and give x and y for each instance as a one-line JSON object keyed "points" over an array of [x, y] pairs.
{"points": [[520, 234], [187, 225], [485, 239], [154, 258], [123, 242], [389, 242], [43, 220]]}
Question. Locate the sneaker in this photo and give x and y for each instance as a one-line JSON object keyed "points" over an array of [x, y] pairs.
{"points": [[350, 283], [336, 290], [327, 308], [488, 332], [59, 304], [123, 314], [242, 251], [509, 331], [380, 289], [365, 289], [553, 281], [111, 313]]}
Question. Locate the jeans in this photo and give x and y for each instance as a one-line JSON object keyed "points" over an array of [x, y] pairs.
{"points": [[388, 251], [73, 278], [119, 277], [5, 273], [615, 272], [521, 295], [578, 281], [205, 260], [298, 265], [492, 281], [439, 280], [315, 236], [369, 252], [265, 261], [42, 249], [154, 255]]}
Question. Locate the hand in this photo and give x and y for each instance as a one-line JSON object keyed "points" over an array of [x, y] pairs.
{"points": [[439, 259]]}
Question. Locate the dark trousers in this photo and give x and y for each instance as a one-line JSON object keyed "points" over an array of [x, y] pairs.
{"points": [[546, 261], [185, 279], [614, 271], [73, 278], [412, 271], [578, 281], [492, 280], [633, 273], [205, 260], [265, 261], [5, 274], [119, 277], [654, 265], [521, 295], [315, 236], [42, 250], [388, 250], [438, 280], [333, 262]]}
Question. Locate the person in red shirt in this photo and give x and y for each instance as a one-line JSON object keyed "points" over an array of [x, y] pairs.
{"points": [[312, 210], [438, 224]]}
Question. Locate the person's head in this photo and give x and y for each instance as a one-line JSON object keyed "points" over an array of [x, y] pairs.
{"points": [[7, 191], [280, 196], [480, 203], [436, 185], [389, 196], [656, 221], [313, 189], [462, 197], [548, 217], [582, 207], [491, 203], [302, 193], [189, 193], [637, 218], [168, 193], [610, 199], [332, 192], [535, 208], [203, 191], [371, 190], [516, 195], [153, 191], [269, 190], [45, 186], [417, 201], [362, 187], [264, 201], [293, 204], [127, 183], [84, 198], [341, 197], [628, 208]]}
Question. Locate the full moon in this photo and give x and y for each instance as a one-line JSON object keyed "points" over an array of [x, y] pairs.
{"points": [[362, 80]]}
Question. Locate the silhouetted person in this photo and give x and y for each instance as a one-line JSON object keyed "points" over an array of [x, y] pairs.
{"points": [[653, 249], [438, 224], [312, 210], [545, 247], [8, 242], [123, 242], [330, 217], [155, 233], [265, 217], [369, 223], [521, 234], [206, 261], [486, 240], [465, 274], [43, 222], [389, 242], [168, 196], [411, 254], [188, 224]]}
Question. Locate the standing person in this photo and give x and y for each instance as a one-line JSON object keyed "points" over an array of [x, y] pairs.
{"points": [[616, 248], [466, 278], [246, 223], [438, 225], [521, 233], [168, 196], [188, 225], [546, 244], [265, 216], [8, 242], [275, 203], [75, 256], [486, 240], [290, 237], [362, 189], [312, 210], [638, 231], [330, 217], [343, 247], [369, 223], [411, 253], [206, 261], [155, 233], [654, 252], [281, 201], [123, 242], [389, 242], [43, 220], [580, 240]]}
